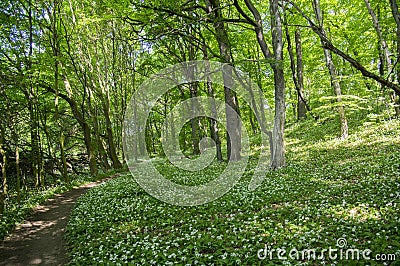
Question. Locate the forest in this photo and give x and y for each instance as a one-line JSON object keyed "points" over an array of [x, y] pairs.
{"points": [[320, 113]]}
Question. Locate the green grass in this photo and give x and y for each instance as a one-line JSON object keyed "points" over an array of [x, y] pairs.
{"points": [[330, 189]]}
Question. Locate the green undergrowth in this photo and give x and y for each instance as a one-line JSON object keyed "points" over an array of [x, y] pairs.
{"points": [[331, 190], [15, 212]]}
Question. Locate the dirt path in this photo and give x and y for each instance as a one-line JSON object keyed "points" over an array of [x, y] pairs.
{"points": [[40, 239]]}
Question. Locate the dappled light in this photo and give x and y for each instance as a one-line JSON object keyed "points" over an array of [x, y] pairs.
{"points": [[39, 240], [199, 132]]}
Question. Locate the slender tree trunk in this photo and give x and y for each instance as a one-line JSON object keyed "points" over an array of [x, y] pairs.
{"points": [[3, 192], [80, 114], [232, 114], [261, 98], [87, 132], [110, 137], [278, 159], [187, 108], [4, 162], [1, 203], [117, 87], [34, 127], [89, 149], [100, 147], [302, 105], [252, 125], [151, 141], [166, 125], [194, 122], [292, 68], [386, 53], [263, 122], [135, 129], [193, 87], [213, 122], [17, 169], [327, 44], [51, 154], [276, 63], [104, 96], [3, 166], [344, 131], [396, 16], [56, 52], [83, 123], [32, 104], [297, 72], [173, 132], [336, 87], [381, 39]]}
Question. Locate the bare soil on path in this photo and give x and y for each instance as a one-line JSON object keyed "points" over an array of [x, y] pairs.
{"points": [[40, 239]]}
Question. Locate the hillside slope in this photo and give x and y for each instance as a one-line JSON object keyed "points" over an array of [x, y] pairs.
{"points": [[333, 194]]}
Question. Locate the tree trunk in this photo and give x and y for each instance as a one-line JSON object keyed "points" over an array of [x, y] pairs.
{"points": [[87, 132], [232, 114], [3, 166], [344, 132], [213, 122], [302, 105], [17, 169], [80, 114], [89, 149], [396, 16], [261, 98], [110, 137], [292, 68], [194, 122], [381, 39], [386, 52], [276, 63], [297, 72], [136, 130], [35, 153], [104, 96], [327, 44], [56, 52], [32, 104], [83, 123], [278, 159], [151, 141], [100, 147], [4, 160]]}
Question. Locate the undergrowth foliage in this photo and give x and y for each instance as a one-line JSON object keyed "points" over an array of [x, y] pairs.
{"points": [[330, 189]]}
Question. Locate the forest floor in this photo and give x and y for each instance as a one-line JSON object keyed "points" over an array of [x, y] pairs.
{"points": [[39, 240], [332, 194]]}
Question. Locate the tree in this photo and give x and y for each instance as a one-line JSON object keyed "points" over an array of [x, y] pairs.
{"points": [[296, 66], [344, 130], [276, 62], [232, 119], [357, 65], [55, 45], [396, 16]]}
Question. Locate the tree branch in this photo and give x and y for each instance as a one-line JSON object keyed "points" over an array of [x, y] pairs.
{"points": [[327, 44], [241, 11]]}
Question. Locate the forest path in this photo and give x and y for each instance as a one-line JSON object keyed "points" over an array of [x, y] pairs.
{"points": [[39, 240]]}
